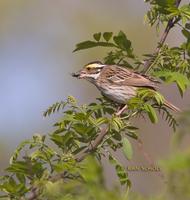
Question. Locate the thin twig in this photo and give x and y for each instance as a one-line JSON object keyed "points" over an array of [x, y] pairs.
{"points": [[148, 63], [148, 157], [92, 146]]}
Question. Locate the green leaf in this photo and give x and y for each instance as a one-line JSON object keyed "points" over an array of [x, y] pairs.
{"points": [[159, 98], [146, 94], [85, 45], [90, 44], [38, 154], [123, 178], [15, 190], [165, 2], [135, 102], [100, 121], [186, 33], [116, 135], [80, 128], [97, 36], [132, 134], [21, 178], [116, 123], [181, 80], [187, 25], [83, 130], [122, 41], [54, 108], [151, 113], [80, 116], [127, 148], [92, 171], [68, 164], [26, 167], [62, 140], [181, 86], [185, 11], [107, 35], [121, 173], [18, 150]]}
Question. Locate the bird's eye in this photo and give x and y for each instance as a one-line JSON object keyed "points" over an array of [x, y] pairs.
{"points": [[88, 68]]}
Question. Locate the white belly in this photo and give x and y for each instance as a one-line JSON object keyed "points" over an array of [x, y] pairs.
{"points": [[119, 94]]}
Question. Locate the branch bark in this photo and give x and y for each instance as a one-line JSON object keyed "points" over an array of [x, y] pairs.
{"points": [[170, 25], [92, 146]]}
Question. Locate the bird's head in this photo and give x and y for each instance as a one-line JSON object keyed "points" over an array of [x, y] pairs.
{"points": [[90, 71]]}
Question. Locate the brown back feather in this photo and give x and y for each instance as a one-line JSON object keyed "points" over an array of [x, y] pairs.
{"points": [[122, 76]]}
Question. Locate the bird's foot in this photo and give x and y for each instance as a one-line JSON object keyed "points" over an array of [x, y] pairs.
{"points": [[120, 111]]}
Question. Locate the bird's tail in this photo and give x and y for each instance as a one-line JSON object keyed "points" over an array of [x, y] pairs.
{"points": [[171, 106]]}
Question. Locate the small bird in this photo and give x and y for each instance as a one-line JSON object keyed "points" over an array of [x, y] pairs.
{"points": [[117, 83]]}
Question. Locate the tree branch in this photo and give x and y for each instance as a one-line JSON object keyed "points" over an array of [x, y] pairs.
{"points": [[170, 25], [79, 157], [92, 146]]}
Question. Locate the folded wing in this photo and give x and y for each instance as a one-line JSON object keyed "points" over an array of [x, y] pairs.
{"points": [[123, 76]]}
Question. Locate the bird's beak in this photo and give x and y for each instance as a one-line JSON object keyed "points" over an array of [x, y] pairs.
{"points": [[77, 75], [80, 74]]}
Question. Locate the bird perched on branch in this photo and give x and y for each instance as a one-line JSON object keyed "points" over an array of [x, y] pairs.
{"points": [[117, 83]]}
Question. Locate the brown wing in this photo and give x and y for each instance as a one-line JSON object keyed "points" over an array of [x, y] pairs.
{"points": [[122, 76]]}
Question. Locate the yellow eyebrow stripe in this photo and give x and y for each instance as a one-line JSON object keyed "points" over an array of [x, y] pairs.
{"points": [[92, 65]]}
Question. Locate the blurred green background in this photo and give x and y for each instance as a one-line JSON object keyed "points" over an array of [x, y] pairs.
{"points": [[36, 43]]}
